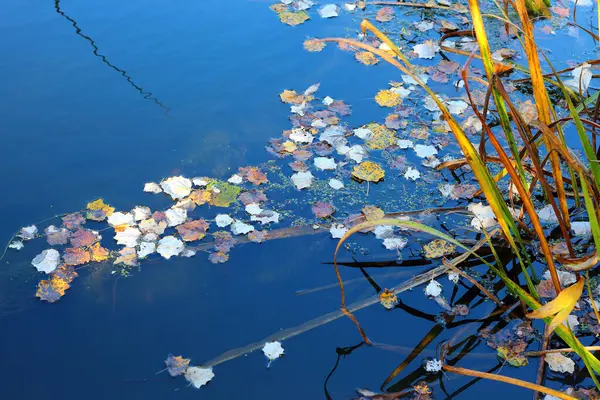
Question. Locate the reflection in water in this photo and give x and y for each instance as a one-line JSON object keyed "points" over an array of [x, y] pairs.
{"points": [[147, 95]]}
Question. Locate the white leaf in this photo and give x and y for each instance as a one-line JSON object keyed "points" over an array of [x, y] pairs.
{"points": [[223, 220], [357, 153], [433, 365], [334, 135], [409, 79], [312, 89], [272, 350], [169, 246], [581, 228], [318, 123], [336, 184], [198, 377], [325, 163], [484, 216], [565, 278], [328, 11], [151, 226], [327, 101], [121, 219], [405, 144], [300, 135], [141, 212], [128, 237], [304, 5], [175, 216], [412, 173], [424, 26], [16, 245], [266, 217], [253, 209], [349, 6], [425, 151], [235, 179], [240, 228], [337, 231], [433, 289], [431, 162], [300, 110], [200, 181], [146, 248], [177, 187], [427, 49], [28, 232], [560, 363], [363, 133], [395, 243], [152, 187], [383, 231], [582, 76], [302, 180], [453, 277], [399, 90], [456, 107], [46, 261]]}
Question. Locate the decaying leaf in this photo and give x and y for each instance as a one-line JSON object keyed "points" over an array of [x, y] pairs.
{"points": [[380, 137], [57, 236], [293, 18], [84, 237], [387, 98], [372, 213], [427, 49], [193, 230], [97, 210], [388, 299], [176, 365], [198, 376], [516, 359], [560, 363], [223, 193], [561, 306], [433, 289], [438, 248], [73, 221], [177, 187], [272, 350], [314, 45], [257, 236], [322, 209], [46, 261], [337, 231], [385, 14], [51, 290], [302, 180], [76, 256], [368, 171], [169, 246], [366, 57], [127, 256], [98, 253]]}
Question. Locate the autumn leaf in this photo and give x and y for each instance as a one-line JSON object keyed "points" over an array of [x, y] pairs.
{"points": [[513, 358], [387, 98], [200, 196], [84, 237], [97, 210], [279, 7], [438, 248], [366, 57], [372, 213], [560, 307], [256, 176], [293, 18], [127, 256], [65, 273], [223, 193], [313, 45], [257, 236], [73, 221], [193, 230], [198, 376], [322, 209], [98, 253], [385, 14], [388, 299], [218, 257], [57, 236], [176, 365], [381, 137], [76, 256], [291, 97], [51, 290], [368, 171]]}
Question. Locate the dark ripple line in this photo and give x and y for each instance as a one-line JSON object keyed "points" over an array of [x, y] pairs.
{"points": [[78, 31]]}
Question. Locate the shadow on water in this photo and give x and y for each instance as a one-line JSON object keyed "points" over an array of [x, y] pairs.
{"points": [[78, 31]]}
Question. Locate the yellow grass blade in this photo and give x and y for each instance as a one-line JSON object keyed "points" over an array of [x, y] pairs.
{"points": [[561, 306]]}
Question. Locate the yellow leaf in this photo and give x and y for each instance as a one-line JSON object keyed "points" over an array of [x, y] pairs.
{"points": [[438, 248], [98, 253], [366, 57], [372, 213], [561, 306], [388, 299], [368, 171], [291, 97], [381, 137], [387, 98], [293, 18], [289, 146]]}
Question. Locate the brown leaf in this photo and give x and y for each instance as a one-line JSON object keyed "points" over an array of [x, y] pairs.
{"points": [[322, 209], [366, 57], [84, 237], [193, 230], [76, 256], [314, 45], [385, 14]]}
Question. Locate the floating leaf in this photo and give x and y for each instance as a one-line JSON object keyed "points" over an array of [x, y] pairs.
{"points": [[177, 187], [272, 350], [302, 180], [322, 209], [66, 273], [433, 289], [385, 14], [438, 248], [218, 257], [51, 290], [169, 246], [152, 187], [176, 365], [198, 377], [223, 193], [380, 137], [513, 358], [46, 261], [387, 98], [193, 230], [57, 236], [98, 253], [328, 11], [128, 236], [561, 306], [338, 231], [388, 299], [76, 256], [241, 228], [84, 237], [366, 57], [314, 45], [73, 221], [372, 213], [256, 176], [97, 210], [427, 49], [293, 18], [368, 171], [393, 243], [257, 236], [175, 216], [560, 363], [325, 163]]}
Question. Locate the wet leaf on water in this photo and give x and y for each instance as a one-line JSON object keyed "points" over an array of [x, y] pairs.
{"points": [[426, 49], [368, 171], [340, 107], [223, 241], [193, 230], [46, 261], [336, 184], [97, 210], [76, 256], [322, 209], [325, 163], [424, 151], [366, 57], [291, 97], [257, 236], [127, 236], [560, 307], [218, 257], [198, 376], [175, 216], [65, 273], [328, 11], [98, 253], [302, 180], [152, 187], [387, 98], [372, 213], [433, 366], [298, 166], [121, 219], [279, 7], [57, 236], [412, 174], [51, 290], [380, 137], [560, 363], [145, 249], [433, 289], [255, 176], [337, 231], [16, 245], [127, 256], [177, 187], [438, 248], [223, 193], [84, 237], [388, 299], [169, 246], [73, 221], [151, 226], [395, 243], [28, 232], [176, 365], [314, 45], [272, 350], [385, 14], [241, 228], [516, 359], [293, 18], [223, 220], [266, 217]]}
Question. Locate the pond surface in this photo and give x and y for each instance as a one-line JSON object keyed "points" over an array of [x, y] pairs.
{"points": [[102, 96]]}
